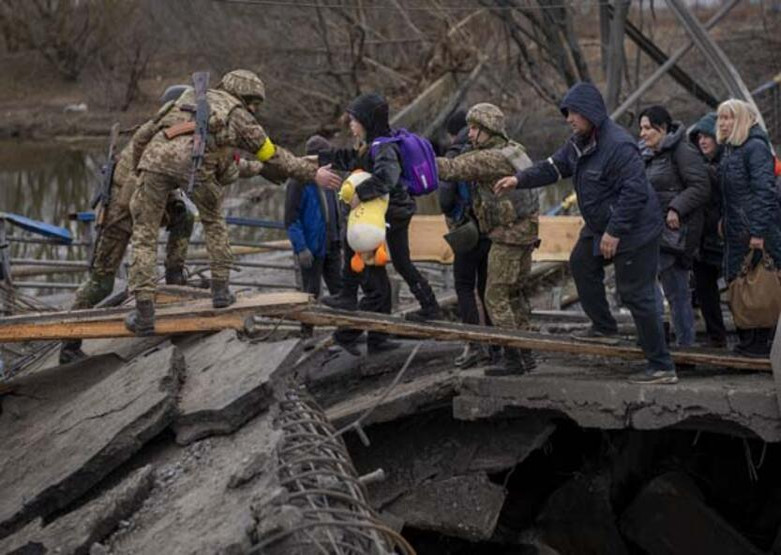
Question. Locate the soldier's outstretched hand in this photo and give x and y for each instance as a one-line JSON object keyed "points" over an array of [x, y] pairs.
{"points": [[327, 179], [505, 183]]}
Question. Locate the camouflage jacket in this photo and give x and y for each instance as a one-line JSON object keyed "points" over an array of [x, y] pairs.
{"points": [[512, 217], [165, 146]]}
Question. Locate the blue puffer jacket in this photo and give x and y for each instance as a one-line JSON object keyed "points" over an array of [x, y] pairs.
{"points": [[311, 218], [750, 205], [614, 195]]}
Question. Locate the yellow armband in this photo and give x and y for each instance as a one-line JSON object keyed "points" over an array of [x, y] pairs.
{"points": [[266, 150]]}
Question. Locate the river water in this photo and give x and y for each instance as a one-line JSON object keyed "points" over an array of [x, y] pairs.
{"points": [[51, 181]]}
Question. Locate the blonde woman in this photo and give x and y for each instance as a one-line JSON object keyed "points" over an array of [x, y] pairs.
{"points": [[752, 216]]}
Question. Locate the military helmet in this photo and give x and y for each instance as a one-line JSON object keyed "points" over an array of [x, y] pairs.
{"points": [[464, 238], [173, 92], [487, 116], [243, 84]]}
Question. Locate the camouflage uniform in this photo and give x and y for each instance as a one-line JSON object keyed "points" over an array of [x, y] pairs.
{"points": [[118, 228], [511, 220], [165, 163]]}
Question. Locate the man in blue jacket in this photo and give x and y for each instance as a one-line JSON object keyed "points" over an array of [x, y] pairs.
{"points": [[312, 219], [623, 224]]}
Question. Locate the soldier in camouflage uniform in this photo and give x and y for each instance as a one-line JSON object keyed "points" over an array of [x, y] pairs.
{"points": [[165, 162], [511, 222], [114, 238]]}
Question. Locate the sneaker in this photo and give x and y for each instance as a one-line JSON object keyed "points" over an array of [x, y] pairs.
{"points": [[469, 357], [593, 335], [655, 377]]}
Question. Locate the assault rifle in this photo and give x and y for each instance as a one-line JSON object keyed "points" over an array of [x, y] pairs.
{"points": [[200, 84], [102, 196]]}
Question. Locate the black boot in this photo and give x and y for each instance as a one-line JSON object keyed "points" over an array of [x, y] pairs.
{"points": [[470, 356], [70, 351], [343, 300], [745, 340], [175, 277], [429, 307], [528, 360], [381, 346], [221, 294], [141, 321], [759, 346], [511, 365]]}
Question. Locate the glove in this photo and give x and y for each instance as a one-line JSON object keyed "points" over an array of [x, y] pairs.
{"points": [[305, 259]]}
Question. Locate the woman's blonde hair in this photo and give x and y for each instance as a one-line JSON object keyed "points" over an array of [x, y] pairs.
{"points": [[745, 117]]}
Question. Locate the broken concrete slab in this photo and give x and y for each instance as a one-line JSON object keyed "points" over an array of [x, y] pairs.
{"points": [[229, 381], [670, 516], [598, 397], [52, 456], [198, 505], [435, 447], [578, 518], [463, 506], [418, 395], [75, 532]]}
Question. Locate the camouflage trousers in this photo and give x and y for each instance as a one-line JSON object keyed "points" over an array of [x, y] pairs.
{"points": [[505, 296], [147, 206], [113, 243]]}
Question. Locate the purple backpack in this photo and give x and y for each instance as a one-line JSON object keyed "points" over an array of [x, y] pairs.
{"points": [[418, 161]]}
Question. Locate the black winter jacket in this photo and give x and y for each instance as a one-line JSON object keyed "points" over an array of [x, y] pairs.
{"points": [[613, 192], [711, 245], [750, 203], [679, 176], [385, 168]]}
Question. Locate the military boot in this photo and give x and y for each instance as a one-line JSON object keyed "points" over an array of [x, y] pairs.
{"points": [[429, 307], [221, 295], [511, 365], [175, 276], [70, 351], [141, 321]]}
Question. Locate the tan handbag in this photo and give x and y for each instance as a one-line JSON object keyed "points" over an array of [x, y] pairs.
{"points": [[754, 296]]}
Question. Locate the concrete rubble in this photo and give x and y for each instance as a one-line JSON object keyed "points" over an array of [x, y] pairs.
{"points": [[228, 382], [171, 446], [53, 452]]}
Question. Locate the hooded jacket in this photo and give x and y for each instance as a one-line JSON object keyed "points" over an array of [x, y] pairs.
{"points": [[711, 244], [371, 111], [679, 176], [614, 195], [751, 208]]}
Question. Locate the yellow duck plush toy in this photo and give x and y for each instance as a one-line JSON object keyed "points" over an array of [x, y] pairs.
{"points": [[365, 224]]}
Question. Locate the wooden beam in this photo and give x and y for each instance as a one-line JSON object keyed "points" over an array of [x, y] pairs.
{"points": [[445, 331], [558, 236], [189, 317]]}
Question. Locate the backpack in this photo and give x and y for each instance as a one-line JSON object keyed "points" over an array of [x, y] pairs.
{"points": [[418, 161]]}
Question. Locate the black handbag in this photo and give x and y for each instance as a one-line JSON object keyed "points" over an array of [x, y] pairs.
{"points": [[674, 240]]}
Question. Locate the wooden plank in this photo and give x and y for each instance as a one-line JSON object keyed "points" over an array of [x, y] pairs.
{"points": [[446, 331], [189, 317], [558, 236]]}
